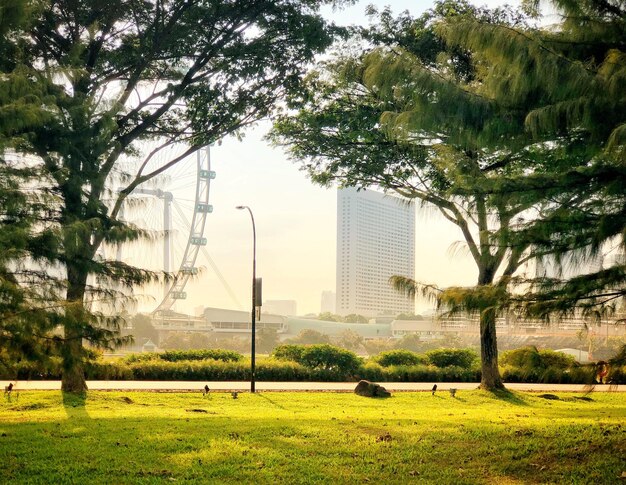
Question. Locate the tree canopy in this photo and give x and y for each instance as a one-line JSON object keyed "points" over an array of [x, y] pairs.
{"points": [[107, 77], [456, 109]]}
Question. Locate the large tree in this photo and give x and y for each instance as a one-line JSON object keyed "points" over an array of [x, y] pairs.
{"points": [[400, 117], [26, 320], [115, 74], [569, 80], [425, 113]]}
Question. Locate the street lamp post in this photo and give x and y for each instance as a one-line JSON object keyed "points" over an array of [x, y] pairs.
{"points": [[253, 347]]}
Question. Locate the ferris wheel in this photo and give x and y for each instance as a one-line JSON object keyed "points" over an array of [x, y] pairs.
{"points": [[173, 208]]}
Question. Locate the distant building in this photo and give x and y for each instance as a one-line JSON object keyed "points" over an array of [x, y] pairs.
{"points": [[375, 240], [223, 322], [329, 303], [280, 307]]}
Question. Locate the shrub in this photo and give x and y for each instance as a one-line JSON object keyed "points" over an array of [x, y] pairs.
{"points": [[399, 357], [290, 352], [310, 337], [463, 358], [521, 358], [321, 357], [143, 357], [182, 355], [417, 373], [201, 354], [324, 356], [531, 358], [551, 358]]}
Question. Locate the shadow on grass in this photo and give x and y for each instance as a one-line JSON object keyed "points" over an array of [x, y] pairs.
{"points": [[271, 401], [74, 404], [508, 396]]}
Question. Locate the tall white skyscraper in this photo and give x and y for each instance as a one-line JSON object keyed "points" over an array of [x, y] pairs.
{"points": [[375, 240]]}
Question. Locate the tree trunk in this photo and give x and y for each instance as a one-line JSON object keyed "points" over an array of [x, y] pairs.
{"points": [[490, 380], [73, 377]]}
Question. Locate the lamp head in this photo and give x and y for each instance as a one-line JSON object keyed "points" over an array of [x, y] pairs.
{"points": [[240, 207]]}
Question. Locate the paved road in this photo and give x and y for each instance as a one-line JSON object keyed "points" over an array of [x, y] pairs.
{"points": [[293, 386]]}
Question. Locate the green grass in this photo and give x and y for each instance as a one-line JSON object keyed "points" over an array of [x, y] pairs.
{"points": [[143, 437]]}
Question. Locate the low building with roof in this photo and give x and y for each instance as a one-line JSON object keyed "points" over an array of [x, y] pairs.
{"points": [[424, 329], [334, 329]]}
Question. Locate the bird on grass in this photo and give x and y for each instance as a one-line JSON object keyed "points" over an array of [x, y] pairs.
{"points": [[206, 390], [434, 389], [234, 394]]}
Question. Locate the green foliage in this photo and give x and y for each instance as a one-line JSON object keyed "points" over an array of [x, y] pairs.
{"points": [[399, 357], [404, 116], [69, 105], [349, 339], [514, 133], [539, 359], [529, 364], [267, 340], [410, 342], [330, 317], [409, 316], [523, 430], [180, 355], [375, 346], [328, 357], [291, 352], [464, 358], [309, 336], [320, 356], [143, 329], [355, 318], [215, 354]]}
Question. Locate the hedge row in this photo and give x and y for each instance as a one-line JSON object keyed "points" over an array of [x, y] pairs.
{"points": [[326, 363], [276, 370], [180, 355]]}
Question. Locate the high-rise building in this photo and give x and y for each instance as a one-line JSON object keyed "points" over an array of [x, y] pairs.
{"points": [[329, 300], [375, 240]]}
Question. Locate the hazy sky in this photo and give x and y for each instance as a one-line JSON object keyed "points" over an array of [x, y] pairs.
{"points": [[295, 222]]}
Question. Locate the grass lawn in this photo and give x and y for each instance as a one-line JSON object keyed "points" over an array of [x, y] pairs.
{"points": [[143, 437]]}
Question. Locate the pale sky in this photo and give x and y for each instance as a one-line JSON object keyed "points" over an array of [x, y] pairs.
{"points": [[295, 223]]}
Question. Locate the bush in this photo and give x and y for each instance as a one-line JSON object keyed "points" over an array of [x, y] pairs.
{"points": [[320, 357], [327, 357], [531, 358], [182, 355], [143, 357], [203, 354], [463, 358], [417, 373], [399, 357], [290, 352]]}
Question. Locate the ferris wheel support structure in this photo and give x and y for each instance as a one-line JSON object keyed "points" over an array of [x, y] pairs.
{"points": [[196, 238]]}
